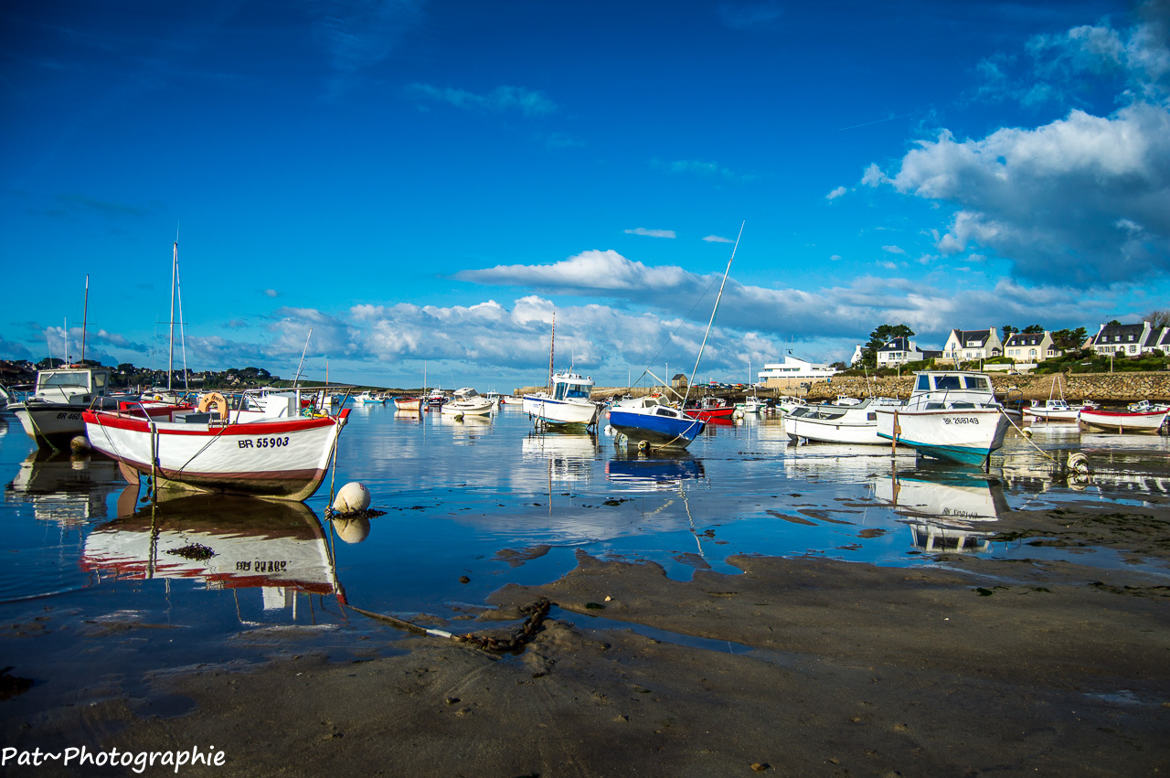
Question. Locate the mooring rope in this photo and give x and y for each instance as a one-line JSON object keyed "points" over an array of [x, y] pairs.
{"points": [[536, 612]]}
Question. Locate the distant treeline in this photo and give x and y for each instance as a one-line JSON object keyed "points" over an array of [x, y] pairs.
{"points": [[18, 372]]}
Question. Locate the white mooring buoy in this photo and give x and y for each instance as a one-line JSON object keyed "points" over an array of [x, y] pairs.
{"points": [[351, 498]]}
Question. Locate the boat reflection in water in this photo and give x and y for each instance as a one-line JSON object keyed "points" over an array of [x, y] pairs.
{"points": [[224, 542], [662, 469], [65, 489], [569, 455], [465, 429], [841, 462], [945, 510]]}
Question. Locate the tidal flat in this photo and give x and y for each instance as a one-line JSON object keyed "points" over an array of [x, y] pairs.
{"points": [[753, 606]]}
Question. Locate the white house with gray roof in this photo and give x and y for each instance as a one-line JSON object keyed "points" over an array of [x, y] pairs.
{"points": [[1130, 340], [972, 345], [1030, 347]]}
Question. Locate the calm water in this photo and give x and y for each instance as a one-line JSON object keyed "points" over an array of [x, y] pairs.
{"points": [[90, 597]]}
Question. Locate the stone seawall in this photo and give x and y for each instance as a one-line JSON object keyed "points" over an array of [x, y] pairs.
{"points": [[1101, 387]]}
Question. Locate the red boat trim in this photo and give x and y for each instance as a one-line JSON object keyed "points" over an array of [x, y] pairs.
{"points": [[138, 424]]}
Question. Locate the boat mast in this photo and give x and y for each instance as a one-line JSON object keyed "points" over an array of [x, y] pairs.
{"points": [[713, 310], [297, 380], [171, 347], [552, 343], [84, 317]]}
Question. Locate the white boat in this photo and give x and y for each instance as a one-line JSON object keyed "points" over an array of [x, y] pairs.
{"points": [[1051, 410], [413, 404], [750, 405], [266, 450], [368, 398], [1145, 406], [850, 423], [951, 414], [787, 405], [51, 415], [568, 403], [468, 402], [1147, 422], [1054, 408]]}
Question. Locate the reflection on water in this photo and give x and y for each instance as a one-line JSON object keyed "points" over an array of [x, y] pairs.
{"points": [[569, 455], [65, 489], [279, 548], [654, 472], [945, 509]]}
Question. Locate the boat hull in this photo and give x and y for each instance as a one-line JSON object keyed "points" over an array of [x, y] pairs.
{"points": [[279, 459], [1042, 414], [408, 403], [461, 408], [707, 414], [831, 431], [51, 425], [660, 431], [964, 435], [1123, 421], [560, 412]]}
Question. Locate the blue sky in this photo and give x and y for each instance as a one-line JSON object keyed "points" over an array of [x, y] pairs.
{"points": [[422, 181]]}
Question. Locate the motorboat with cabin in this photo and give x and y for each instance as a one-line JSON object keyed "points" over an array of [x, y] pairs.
{"points": [[467, 402], [951, 414], [567, 404], [51, 414]]}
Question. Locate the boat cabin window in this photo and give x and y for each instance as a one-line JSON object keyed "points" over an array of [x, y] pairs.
{"points": [[977, 382], [559, 392], [923, 383], [946, 382], [664, 412], [576, 391], [99, 380], [63, 379]]}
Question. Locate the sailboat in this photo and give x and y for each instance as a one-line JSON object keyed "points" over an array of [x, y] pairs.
{"points": [[268, 450], [1053, 409], [651, 422], [566, 402]]}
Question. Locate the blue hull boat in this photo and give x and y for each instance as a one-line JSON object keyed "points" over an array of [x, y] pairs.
{"points": [[661, 426]]}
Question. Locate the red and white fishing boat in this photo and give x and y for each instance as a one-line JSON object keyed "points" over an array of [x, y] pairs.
{"points": [[408, 403], [711, 408], [1148, 422], [266, 450]]}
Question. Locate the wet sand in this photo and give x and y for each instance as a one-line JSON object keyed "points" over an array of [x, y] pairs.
{"points": [[795, 667]]}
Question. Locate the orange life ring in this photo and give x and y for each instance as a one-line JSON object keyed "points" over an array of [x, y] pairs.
{"points": [[217, 399]]}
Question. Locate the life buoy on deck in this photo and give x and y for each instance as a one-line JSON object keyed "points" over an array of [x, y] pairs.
{"points": [[216, 399]]}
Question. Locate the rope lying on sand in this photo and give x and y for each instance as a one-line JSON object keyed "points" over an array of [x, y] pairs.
{"points": [[536, 612]]}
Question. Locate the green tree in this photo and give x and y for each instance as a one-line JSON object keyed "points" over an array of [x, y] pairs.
{"points": [[1032, 329], [1069, 340], [1008, 330]]}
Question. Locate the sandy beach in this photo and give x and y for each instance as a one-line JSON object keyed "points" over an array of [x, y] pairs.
{"points": [[794, 667]]}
